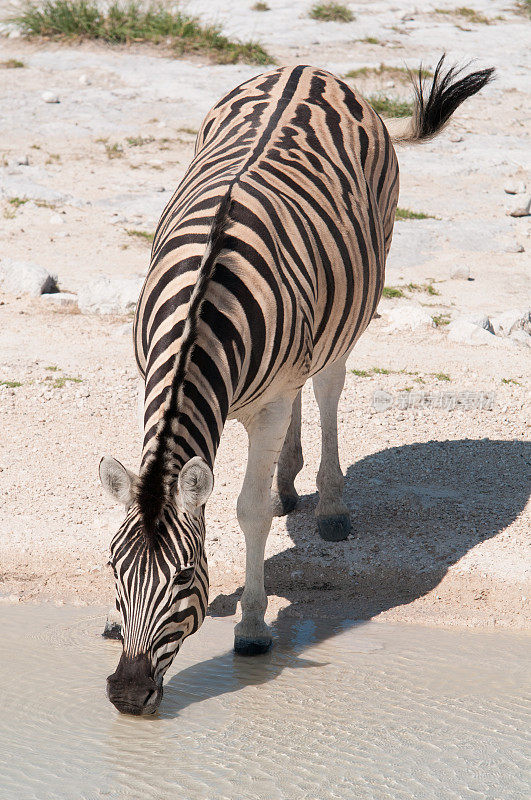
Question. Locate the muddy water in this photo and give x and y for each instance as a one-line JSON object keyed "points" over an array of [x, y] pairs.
{"points": [[350, 711]]}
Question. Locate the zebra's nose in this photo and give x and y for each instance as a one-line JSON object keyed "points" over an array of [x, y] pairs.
{"points": [[131, 689]]}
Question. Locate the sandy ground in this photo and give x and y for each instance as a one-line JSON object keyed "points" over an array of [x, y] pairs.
{"points": [[439, 495]]}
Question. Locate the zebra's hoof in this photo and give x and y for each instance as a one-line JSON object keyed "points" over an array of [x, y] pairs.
{"points": [[112, 630], [244, 646], [284, 504], [334, 528]]}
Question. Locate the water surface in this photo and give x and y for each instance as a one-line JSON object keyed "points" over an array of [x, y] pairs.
{"points": [[355, 711]]}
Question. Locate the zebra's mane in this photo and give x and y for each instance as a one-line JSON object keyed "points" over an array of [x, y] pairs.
{"points": [[156, 479]]}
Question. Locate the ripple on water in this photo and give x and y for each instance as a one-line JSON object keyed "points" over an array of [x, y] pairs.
{"points": [[350, 711]]}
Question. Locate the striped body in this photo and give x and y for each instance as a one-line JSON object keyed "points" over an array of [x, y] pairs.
{"points": [[314, 185], [267, 265]]}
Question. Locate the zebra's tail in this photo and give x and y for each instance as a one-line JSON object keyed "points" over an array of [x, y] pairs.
{"points": [[432, 110]]}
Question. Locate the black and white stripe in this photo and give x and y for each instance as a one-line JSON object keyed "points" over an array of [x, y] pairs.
{"points": [[267, 265]]}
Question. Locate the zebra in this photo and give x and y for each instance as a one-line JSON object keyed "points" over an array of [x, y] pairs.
{"points": [[266, 267]]}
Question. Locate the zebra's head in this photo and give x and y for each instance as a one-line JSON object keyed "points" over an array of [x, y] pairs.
{"points": [[161, 580]]}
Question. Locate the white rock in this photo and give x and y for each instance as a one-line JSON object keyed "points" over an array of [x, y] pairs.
{"points": [[512, 320], [514, 187], [22, 161], [61, 298], [56, 219], [154, 162], [110, 295], [22, 277], [456, 137], [482, 321], [85, 80], [519, 206], [50, 97], [460, 272], [16, 34], [407, 317], [465, 332]]}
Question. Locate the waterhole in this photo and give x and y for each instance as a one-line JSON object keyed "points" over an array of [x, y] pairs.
{"points": [[355, 711]]}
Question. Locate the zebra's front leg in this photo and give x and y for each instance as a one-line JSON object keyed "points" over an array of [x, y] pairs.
{"points": [[113, 624], [333, 519], [284, 496], [266, 432]]}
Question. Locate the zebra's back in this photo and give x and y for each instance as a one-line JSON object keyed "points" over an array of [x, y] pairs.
{"points": [[313, 179]]}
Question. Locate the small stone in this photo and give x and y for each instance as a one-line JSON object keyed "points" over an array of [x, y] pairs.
{"points": [[521, 337], [513, 247], [60, 298], [50, 97], [460, 272], [56, 219], [456, 137], [16, 34], [22, 161], [154, 162], [125, 330], [160, 189], [519, 206], [514, 187], [84, 80], [22, 277]]}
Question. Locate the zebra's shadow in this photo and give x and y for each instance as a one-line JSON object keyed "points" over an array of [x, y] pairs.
{"points": [[416, 511]]}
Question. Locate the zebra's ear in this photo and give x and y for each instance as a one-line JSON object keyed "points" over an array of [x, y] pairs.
{"points": [[117, 480], [195, 484]]}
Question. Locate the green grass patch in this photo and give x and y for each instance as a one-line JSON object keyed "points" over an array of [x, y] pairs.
{"points": [[331, 12], [188, 129], [361, 373], [429, 288], [139, 141], [147, 237], [441, 376], [392, 291], [370, 40], [10, 384], [52, 368], [260, 7], [63, 380], [468, 14], [126, 22], [440, 320], [17, 201], [385, 71], [390, 106], [12, 63], [406, 213], [511, 380]]}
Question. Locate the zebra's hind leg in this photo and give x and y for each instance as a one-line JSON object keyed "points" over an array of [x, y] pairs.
{"points": [[333, 519], [266, 431], [284, 496]]}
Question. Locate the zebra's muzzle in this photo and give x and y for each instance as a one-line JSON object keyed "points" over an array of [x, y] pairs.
{"points": [[131, 689]]}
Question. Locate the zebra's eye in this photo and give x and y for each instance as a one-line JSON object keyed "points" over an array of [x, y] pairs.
{"points": [[184, 576]]}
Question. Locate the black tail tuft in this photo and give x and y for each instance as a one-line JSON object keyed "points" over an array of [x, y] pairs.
{"points": [[447, 92]]}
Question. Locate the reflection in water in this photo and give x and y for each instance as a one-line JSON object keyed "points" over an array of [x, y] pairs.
{"points": [[344, 711]]}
